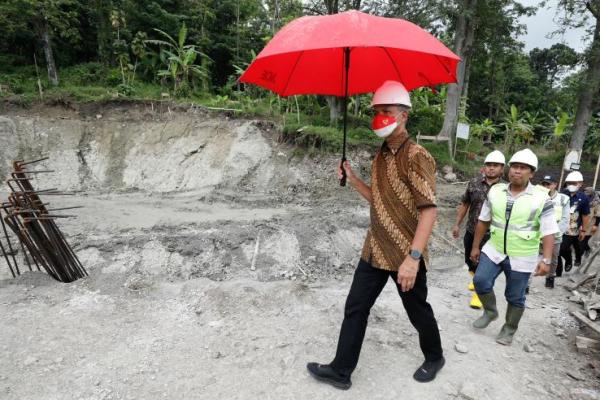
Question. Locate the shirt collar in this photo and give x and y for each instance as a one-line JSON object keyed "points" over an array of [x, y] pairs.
{"points": [[528, 190], [395, 144]]}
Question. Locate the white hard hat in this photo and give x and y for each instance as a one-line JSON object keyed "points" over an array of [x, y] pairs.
{"points": [[525, 156], [391, 92], [495, 156], [574, 176]]}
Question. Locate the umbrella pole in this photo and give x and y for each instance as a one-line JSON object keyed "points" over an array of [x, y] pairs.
{"points": [[345, 109]]}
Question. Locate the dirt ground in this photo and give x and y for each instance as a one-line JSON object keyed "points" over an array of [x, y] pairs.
{"points": [[219, 261]]}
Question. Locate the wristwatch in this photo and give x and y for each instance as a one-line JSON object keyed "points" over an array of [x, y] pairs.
{"points": [[415, 254], [546, 261]]}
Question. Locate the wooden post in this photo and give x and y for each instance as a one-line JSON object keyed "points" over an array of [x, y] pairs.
{"points": [[562, 172], [596, 174]]}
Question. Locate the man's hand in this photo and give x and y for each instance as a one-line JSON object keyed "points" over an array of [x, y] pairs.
{"points": [[350, 177], [581, 235], [455, 231], [407, 273], [475, 253], [594, 229], [542, 269]]}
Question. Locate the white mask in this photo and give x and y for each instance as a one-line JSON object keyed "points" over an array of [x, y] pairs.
{"points": [[572, 188]]}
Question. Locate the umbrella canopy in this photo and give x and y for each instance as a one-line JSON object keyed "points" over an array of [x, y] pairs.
{"points": [[310, 56]]}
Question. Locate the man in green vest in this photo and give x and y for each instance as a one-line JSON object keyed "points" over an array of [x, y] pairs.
{"points": [[518, 216]]}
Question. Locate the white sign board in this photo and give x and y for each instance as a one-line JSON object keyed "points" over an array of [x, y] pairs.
{"points": [[462, 131], [571, 158]]}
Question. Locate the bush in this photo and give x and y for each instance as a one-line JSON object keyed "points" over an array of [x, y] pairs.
{"points": [[21, 82], [84, 74], [327, 138], [426, 121], [114, 77]]}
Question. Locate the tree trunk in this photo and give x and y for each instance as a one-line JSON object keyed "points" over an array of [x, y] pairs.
{"points": [[334, 103], [104, 34], [47, 46], [587, 93], [463, 43], [335, 108], [276, 17]]}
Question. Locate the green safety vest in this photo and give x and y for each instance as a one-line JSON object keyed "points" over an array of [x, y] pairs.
{"points": [[556, 203], [522, 236], [559, 205]]}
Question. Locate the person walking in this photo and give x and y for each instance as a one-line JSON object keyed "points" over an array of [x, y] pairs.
{"points": [[594, 219], [518, 216], [403, 212], [471, 202], [561, 206], [580, 216]]}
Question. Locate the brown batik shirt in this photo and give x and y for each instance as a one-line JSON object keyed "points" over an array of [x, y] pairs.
{"points": [[402, 182], [474, 196]]}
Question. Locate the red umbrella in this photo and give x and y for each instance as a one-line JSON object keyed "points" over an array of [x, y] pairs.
{"points": [[350, 53]]}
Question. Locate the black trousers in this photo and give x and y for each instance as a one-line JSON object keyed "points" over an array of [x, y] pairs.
{"points": [[366, 286], [468, 242], [584, 245], [565, 250]]}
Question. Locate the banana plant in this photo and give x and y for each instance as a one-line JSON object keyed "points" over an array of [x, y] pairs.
{"points": [[560, 126], [484, 129], [179, 59], [517, 130]]}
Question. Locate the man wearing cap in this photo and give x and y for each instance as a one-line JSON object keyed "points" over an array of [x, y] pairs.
{"points": [[518, 216], [403, 211], [561, 207], [471, 202], [580, 215]]}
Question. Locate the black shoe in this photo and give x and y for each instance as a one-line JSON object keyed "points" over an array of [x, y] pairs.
{"points": [[527, 290], [559, 270], [577, 263], [429, 369], [550, 282], [325, 373], [568, 267]]}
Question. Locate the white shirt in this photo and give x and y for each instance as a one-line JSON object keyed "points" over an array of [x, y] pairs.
{"points": [[561, 201], [548, 226]]}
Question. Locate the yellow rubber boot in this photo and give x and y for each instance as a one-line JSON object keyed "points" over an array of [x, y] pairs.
{"points": [[475, 302], [471, 285]]}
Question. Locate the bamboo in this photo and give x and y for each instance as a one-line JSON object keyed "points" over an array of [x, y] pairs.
{"points": [[596, 174]]}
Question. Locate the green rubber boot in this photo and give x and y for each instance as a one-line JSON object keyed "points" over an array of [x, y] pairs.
{"points": [[490, 312], [513, 316]]}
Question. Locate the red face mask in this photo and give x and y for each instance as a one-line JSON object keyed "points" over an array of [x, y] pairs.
{"points": [[383, 125]]}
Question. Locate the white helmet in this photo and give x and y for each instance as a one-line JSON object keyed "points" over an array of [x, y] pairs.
{"points": [[574, 176], [525, 156], [495, 156], [391, 92]]}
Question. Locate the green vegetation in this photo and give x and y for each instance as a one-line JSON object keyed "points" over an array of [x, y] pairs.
{"points": [[193, 51]]}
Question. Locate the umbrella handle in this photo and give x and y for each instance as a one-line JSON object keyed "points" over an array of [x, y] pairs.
{"points": [[343, 180]]}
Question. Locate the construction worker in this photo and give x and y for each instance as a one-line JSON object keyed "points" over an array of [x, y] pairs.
{"points": [[561, 205], [594, 219], [518, 215], [471, 202], [580, 218], [403, 211]]}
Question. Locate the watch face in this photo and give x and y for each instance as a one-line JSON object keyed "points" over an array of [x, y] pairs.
{"points": [[415, 254]]}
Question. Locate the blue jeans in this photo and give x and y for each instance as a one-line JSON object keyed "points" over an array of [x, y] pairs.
{"points": [[516, 282]]}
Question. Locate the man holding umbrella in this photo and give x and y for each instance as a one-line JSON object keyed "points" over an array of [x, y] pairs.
{"points": [[403, 212]]}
